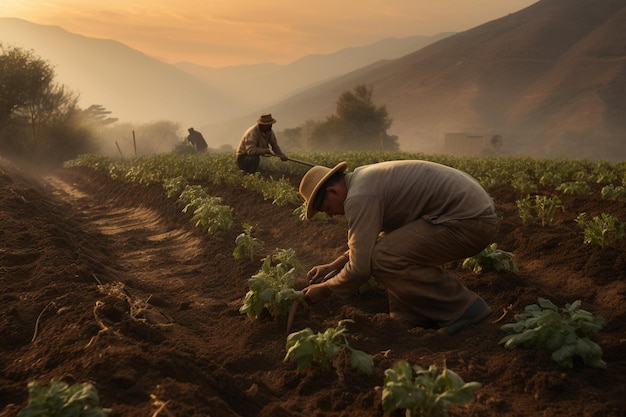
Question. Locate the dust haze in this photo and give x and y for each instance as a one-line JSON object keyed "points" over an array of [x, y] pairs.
{"points": [[548, 88]]}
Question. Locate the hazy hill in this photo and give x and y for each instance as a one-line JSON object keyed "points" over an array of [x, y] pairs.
{"points": [[133, 86], [262, 84], [551, 79], [136, 87]]}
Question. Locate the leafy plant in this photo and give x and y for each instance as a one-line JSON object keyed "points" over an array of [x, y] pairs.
{"points": [[424, 392], [579, 188], [543, 207], [208, 211], [62, 400], [271, 288], [174, 186], [601, 230], [490, 258], [281, 192], [522, 181], [246, 243], [611, 192], [306, 347], [300, 211], [562, 332]]}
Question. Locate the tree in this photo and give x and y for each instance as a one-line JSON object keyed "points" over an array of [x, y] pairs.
{"points": [[38, 118], [357, 125], [22, 77], [98, 115]]}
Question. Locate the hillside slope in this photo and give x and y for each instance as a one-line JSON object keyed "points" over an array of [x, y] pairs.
{"points": [[130, 84], [550, 79]]}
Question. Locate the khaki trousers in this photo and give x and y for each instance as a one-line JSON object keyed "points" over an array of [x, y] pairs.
{"points": [[407, 263]]}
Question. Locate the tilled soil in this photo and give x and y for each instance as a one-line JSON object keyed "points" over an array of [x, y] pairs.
{"points": [[109, 283]]}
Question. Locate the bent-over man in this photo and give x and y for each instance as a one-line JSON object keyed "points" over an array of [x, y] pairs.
{"points": [[405, 220]]}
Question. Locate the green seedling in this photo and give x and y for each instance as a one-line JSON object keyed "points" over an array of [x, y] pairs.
{"points": [[174, 186], [562, 332], [272, 288], [207, 212], [615, 193], [306, 347], [424, 392], [245, 243], [300, 211], [490, 258], [543, 207], [601, 230], [578, 188], [62, 400]]}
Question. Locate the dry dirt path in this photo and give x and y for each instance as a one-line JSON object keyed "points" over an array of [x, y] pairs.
{"points": [[143, 246]]}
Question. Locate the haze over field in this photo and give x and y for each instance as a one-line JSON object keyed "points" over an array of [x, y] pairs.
{"points": [[236, 32], [549, 78]]}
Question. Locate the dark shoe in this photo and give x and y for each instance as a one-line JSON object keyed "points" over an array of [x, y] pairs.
{"points": [[478, 312]]}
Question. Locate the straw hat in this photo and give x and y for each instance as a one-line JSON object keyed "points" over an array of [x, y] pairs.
{"points": [[313, 181], [266, 119]]}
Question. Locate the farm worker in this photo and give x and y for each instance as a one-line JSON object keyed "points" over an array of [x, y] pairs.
{"points": [[405, 220], [257, 141], [197, 140]]}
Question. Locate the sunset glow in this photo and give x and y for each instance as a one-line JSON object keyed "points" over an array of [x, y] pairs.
{"points": [[231, 32]]}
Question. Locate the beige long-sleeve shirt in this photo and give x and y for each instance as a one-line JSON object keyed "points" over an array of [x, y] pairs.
{"points": [[255, 142], [388, 195]]}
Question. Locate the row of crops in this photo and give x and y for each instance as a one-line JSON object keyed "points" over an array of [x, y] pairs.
{"points": [[563, 332], [523, 174]]}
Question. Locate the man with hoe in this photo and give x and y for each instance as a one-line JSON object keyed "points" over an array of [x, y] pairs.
{"points": [[197, 140], [256, 141], [405, 220]]}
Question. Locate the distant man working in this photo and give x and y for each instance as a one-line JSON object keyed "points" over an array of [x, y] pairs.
{"points": [[197, 140], [256, 141], [405, 220]]}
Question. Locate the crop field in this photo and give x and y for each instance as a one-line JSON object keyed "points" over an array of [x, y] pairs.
{"points": [[151, 279]]}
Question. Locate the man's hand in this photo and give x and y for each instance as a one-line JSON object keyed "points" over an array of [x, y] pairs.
{"points": [[317, 273], [316, 293]]}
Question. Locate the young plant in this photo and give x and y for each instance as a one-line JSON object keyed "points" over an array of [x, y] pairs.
{"points": [[245, 243], [174, 186], [562, 332], [490, 258], [59, 399], [615, 193], [281, 192], [579, 188], [602, 230], [271, 289], [300, 211], [424, 392], [306, 347], [208, 211], [545, 208]]}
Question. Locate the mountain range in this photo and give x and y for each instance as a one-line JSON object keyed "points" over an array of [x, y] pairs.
{"points": [[139, 88], [550, 79]]}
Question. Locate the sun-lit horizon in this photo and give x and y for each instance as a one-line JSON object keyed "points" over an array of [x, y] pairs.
{"points": [[243, 32]]}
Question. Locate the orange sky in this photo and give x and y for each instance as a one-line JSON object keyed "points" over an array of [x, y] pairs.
{"points": [[219, 33]]}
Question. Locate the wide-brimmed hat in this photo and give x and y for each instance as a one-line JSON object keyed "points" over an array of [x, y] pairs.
{"points": [[266, 119], [313, 181]]}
